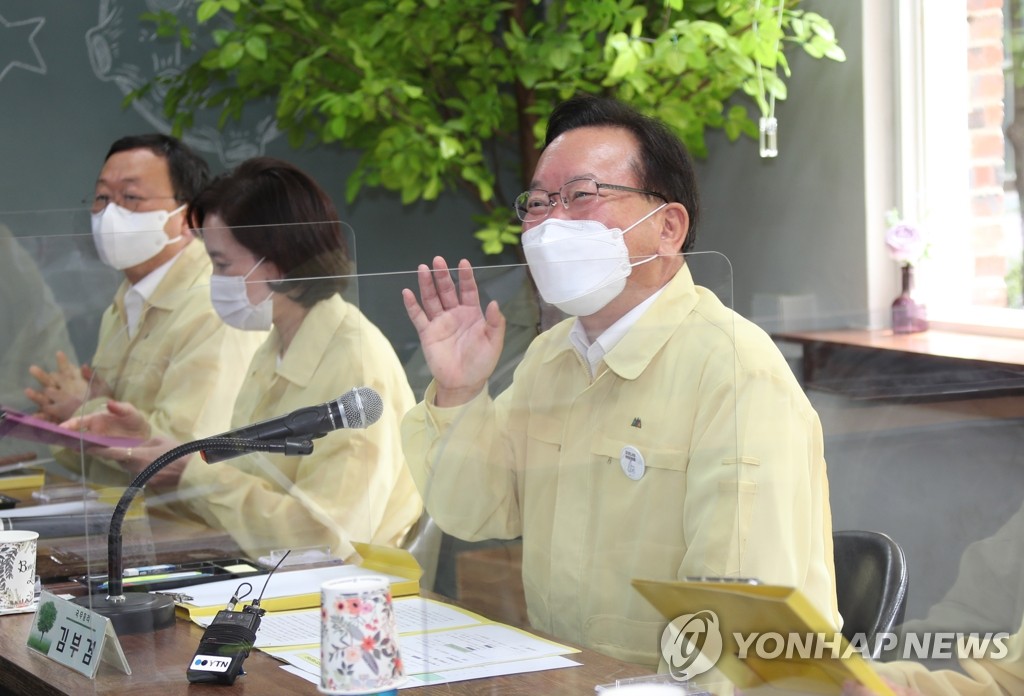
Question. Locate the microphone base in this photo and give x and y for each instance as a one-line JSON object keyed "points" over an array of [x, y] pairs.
{"points": [[140, 612]]}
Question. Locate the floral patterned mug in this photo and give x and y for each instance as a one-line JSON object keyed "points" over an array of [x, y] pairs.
{"points": [[358, 639], [17, 568]]}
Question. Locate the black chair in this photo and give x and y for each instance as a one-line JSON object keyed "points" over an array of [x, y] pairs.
{"points": [[871, 584]]}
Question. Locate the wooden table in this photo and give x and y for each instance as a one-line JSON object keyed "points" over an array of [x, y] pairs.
{"points": [[158, 662], [173, 539], [879, 364], [176, 541], [490, 582]]}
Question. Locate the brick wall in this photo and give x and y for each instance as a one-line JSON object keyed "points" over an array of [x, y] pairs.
{"points": [[987, 148]]}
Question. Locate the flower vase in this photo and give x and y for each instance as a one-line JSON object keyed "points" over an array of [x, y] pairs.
{"points": [[908, 313]]}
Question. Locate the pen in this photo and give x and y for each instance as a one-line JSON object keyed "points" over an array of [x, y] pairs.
{"points": [[141, 570], [157, 577], [148, 570]]}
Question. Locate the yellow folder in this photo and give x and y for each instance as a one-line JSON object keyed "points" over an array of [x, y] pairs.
{"points": [[780, 617], [24, 479], [397, 563]]}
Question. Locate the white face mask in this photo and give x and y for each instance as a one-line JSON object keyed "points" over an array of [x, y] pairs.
{"points": [[579, 265], [124, 239], [229, 298]]}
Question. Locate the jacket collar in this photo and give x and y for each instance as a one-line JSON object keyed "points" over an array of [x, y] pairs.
{"points": [[631, 355], [312, 341], [190, 272]]}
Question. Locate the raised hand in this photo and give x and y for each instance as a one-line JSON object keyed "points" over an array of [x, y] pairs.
{"points": [[461, 342]]}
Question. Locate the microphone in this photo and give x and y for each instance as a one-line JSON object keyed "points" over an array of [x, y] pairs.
{"points": [[357, 408], [138, 612]]}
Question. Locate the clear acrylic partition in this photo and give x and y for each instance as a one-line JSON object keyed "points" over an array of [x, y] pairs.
{"points": [[609, 483], [924, 444], [924, 449], [54, 292], [556, 489], [929, 455], [222, 520]]}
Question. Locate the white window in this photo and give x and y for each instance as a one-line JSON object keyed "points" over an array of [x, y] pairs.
{"points": [[955, 165]]}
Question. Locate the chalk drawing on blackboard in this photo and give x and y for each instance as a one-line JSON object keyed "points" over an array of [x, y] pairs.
{"points": [[128, 53], [17, 41]]}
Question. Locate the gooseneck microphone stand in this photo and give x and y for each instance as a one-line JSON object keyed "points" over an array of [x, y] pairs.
{"points": [[141, 612]]}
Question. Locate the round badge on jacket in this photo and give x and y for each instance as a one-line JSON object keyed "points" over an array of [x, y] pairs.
{"points": [[632, 463]]}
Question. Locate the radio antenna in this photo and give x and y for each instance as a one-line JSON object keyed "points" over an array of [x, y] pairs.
{"points": [[256, 602]]}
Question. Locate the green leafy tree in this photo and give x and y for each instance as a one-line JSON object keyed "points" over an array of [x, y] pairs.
{"points": [[439, 95], [47, 615]]}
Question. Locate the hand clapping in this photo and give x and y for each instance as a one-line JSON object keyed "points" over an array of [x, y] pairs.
{"points": [[63, 391], [124, 420]]}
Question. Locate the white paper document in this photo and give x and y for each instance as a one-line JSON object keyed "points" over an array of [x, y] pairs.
{"points": [[471, 646], [283, 629], [456, 675], [518, 667], [284, 583], [76, 507], [280, 629], [438, 643], [419, 615], [456, 648]]}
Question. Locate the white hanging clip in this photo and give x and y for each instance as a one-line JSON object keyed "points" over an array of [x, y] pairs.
{"points": [[767, 125], [769, 128]]}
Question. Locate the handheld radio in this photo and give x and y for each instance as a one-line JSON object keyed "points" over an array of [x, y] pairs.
{"points": [[228, 639]]}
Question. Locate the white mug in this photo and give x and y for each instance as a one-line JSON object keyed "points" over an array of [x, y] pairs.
{"points": [[17, 568]]}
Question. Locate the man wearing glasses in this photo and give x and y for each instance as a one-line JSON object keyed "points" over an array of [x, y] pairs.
{"points": [[655, 435], [161, 345]]}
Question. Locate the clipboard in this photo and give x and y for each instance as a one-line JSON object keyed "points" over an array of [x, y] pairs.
{"points": [[743, 610], [22, 426]]}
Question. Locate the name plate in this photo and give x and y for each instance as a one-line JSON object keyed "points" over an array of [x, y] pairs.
{"points": [[74, 636]]}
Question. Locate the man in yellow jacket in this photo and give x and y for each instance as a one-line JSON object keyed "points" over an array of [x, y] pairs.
{"points": [[656, 435], [997, 675], [986, 599], [161, 345]]}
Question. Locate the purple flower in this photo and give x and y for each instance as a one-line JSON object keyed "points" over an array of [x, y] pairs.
{"points": [[906, 243]]}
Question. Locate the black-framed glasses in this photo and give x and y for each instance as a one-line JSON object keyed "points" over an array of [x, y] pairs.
{"points": [[576, 196], [129, 201]]}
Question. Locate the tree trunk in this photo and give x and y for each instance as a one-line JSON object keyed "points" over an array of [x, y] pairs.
{"points": [[529, 154]]}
